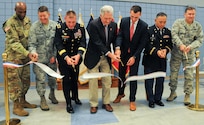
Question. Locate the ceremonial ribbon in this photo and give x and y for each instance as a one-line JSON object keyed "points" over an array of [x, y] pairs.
{"points": [[131, 78], [197, 63], [44, 67], [98, 75], [146, 76]]}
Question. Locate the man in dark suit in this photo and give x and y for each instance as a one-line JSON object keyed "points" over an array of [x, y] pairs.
{"points": [[154, 59], [129, 44], [98, 56]]}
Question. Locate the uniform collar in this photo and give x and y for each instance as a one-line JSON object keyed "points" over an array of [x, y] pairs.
{"points": [[16, 17], [67, 28], [163, 29]]}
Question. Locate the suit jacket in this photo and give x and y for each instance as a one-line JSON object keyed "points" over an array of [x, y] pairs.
{"points": [[138, 41], [97, 45], [155, 42]]}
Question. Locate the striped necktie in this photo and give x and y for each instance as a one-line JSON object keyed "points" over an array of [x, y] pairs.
{"points": [[131, 31], [106, 33]]}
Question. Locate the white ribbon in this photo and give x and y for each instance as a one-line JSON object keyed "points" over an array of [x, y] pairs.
{"points": [[48, 70], [44, 67], [197, 63], [131, 78], [146, 76], [12, 65], [97, 75]]}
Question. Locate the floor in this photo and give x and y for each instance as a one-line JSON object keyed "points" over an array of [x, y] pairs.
{"points": [[173, 113]]}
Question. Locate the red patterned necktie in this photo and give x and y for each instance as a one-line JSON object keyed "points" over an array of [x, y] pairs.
{"points": [[131, 31], [131, 34]]}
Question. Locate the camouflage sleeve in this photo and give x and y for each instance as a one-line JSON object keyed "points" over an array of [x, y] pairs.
{"points": [[32, 40], [175, 34], [12, 39], [198, 38], [54, 52], [53, 48]]}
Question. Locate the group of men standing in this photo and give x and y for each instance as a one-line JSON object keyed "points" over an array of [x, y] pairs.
{"points": [[45, 41]]}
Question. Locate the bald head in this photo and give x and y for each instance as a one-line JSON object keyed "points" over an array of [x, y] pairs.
{"points": [[20, 9]]}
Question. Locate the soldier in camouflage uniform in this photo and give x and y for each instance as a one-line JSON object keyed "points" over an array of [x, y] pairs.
{"points": [[187, 37], [41, 38], [17, 29], [70, 42]]}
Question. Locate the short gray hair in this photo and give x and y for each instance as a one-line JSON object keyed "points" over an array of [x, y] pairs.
{"points": [[106, 8]]}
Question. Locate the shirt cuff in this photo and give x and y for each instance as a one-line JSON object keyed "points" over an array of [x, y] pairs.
{"points": [[107, 53]]}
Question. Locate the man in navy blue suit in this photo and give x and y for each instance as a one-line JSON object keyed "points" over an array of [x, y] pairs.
{"points": [[129, 44], [98, 56]]}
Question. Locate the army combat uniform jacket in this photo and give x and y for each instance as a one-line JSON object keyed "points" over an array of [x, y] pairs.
{"points": [[16, 45]]}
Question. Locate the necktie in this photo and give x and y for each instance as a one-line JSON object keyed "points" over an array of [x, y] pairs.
{"points": [[106, 33], [131, 31], [160, 32]]}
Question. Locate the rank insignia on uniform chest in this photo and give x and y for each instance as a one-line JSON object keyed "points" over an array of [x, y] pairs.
{"points": [[77, 34], [65, 37], [166, 36], [152, 38]]}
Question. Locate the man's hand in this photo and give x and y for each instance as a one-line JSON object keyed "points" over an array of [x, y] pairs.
{"points": [[131, 61], [33, 57], [76, 59], [188, 48], [118, 53], [182, 48], [52, 60], [162, 53], [69, 60], [114, 57]]}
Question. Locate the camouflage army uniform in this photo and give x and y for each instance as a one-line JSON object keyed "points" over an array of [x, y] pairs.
{"points": [[183, 33], [41, 42], [16, 46]]}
